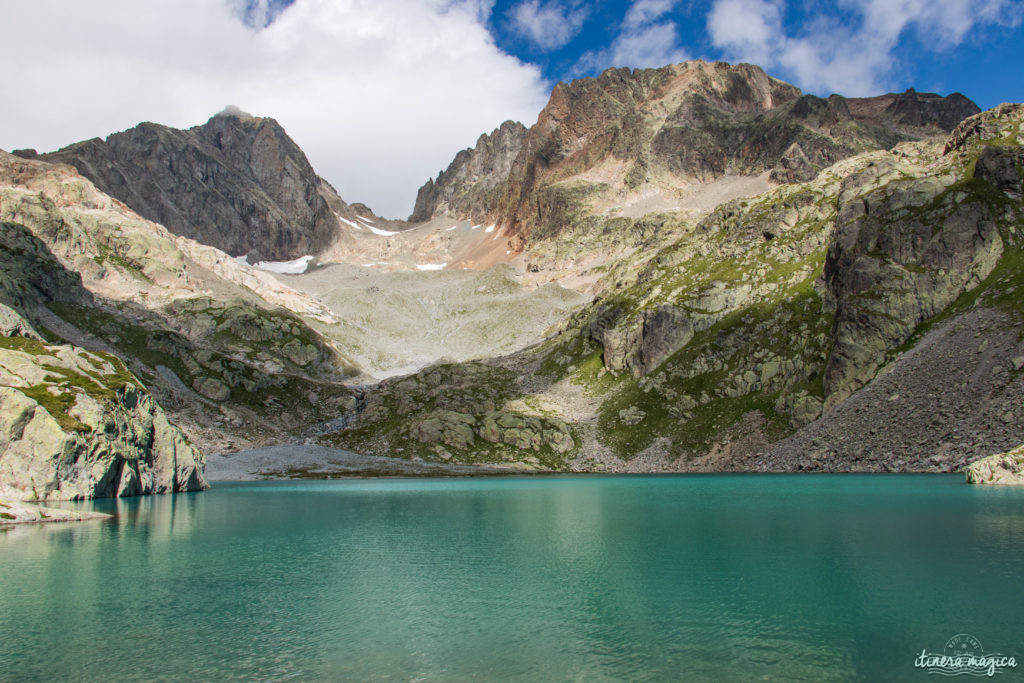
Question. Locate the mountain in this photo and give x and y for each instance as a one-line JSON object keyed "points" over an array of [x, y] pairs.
{"points": [[693, 268], [237, 182], [642, 137]]}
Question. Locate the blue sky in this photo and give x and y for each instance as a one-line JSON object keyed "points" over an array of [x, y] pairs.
{"points": [[381, 94], [975, 47]]}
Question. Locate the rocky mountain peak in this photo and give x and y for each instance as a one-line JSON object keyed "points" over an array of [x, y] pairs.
{"points": [[467, 186], [690, 123], [237, 182]]}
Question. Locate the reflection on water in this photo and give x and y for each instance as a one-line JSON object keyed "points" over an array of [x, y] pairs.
{"points": [[708, 577]]}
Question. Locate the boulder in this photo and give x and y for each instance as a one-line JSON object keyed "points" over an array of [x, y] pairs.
{"points": [[211, 388]]}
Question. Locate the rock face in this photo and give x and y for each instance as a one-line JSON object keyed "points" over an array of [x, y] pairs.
{"points": [[237, 182], [901, 254], [470, 186], [1002, 469], [75, 424]]}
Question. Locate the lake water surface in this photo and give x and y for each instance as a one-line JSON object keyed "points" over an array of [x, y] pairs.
{"points": [[717, 577]]}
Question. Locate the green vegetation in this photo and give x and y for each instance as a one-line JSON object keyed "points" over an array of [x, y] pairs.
{"points": [[108, 255], [25, 345], [57, 403]]}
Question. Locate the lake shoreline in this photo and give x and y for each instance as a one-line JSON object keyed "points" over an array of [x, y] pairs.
{"points": [[310, 462]]}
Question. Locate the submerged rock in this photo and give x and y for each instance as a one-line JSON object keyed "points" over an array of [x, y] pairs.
{"points": [[1003, 469], [19, 513]]}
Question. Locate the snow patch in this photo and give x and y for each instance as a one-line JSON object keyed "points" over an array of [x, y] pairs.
{"points": [[477, 227], [364, 218], [378, 231], [431, 266], [348, 222], [490, 228], [451, 228], [296, 267]]}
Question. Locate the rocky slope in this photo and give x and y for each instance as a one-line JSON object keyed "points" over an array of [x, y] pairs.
{"points": [[237, 183], [75, 424], [224, 347]]}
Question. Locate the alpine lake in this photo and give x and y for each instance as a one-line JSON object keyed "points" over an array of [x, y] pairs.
{"points": [[681, 577]]}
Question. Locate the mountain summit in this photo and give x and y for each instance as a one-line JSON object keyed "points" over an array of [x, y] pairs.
{"points": [[237, 182]]}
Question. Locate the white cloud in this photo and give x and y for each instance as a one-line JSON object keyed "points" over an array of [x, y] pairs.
{"points": [[549, 25], [829, 55], [643, 12], [644, 40], [380, 94], [648, 46]]}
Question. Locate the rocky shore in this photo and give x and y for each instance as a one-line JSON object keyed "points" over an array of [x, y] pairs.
{"points": [[308, 461]]}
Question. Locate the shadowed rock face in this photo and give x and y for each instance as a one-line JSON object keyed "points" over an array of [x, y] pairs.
{"points": [[901, 254], [237, 182]]}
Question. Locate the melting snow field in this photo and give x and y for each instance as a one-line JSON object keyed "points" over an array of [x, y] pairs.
{"points": [[366, 224], [296, 267], [430, 266], [378, 231], [348, 222]]}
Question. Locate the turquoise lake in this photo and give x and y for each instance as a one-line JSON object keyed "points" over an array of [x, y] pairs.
{"points": [[706, 577]]}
